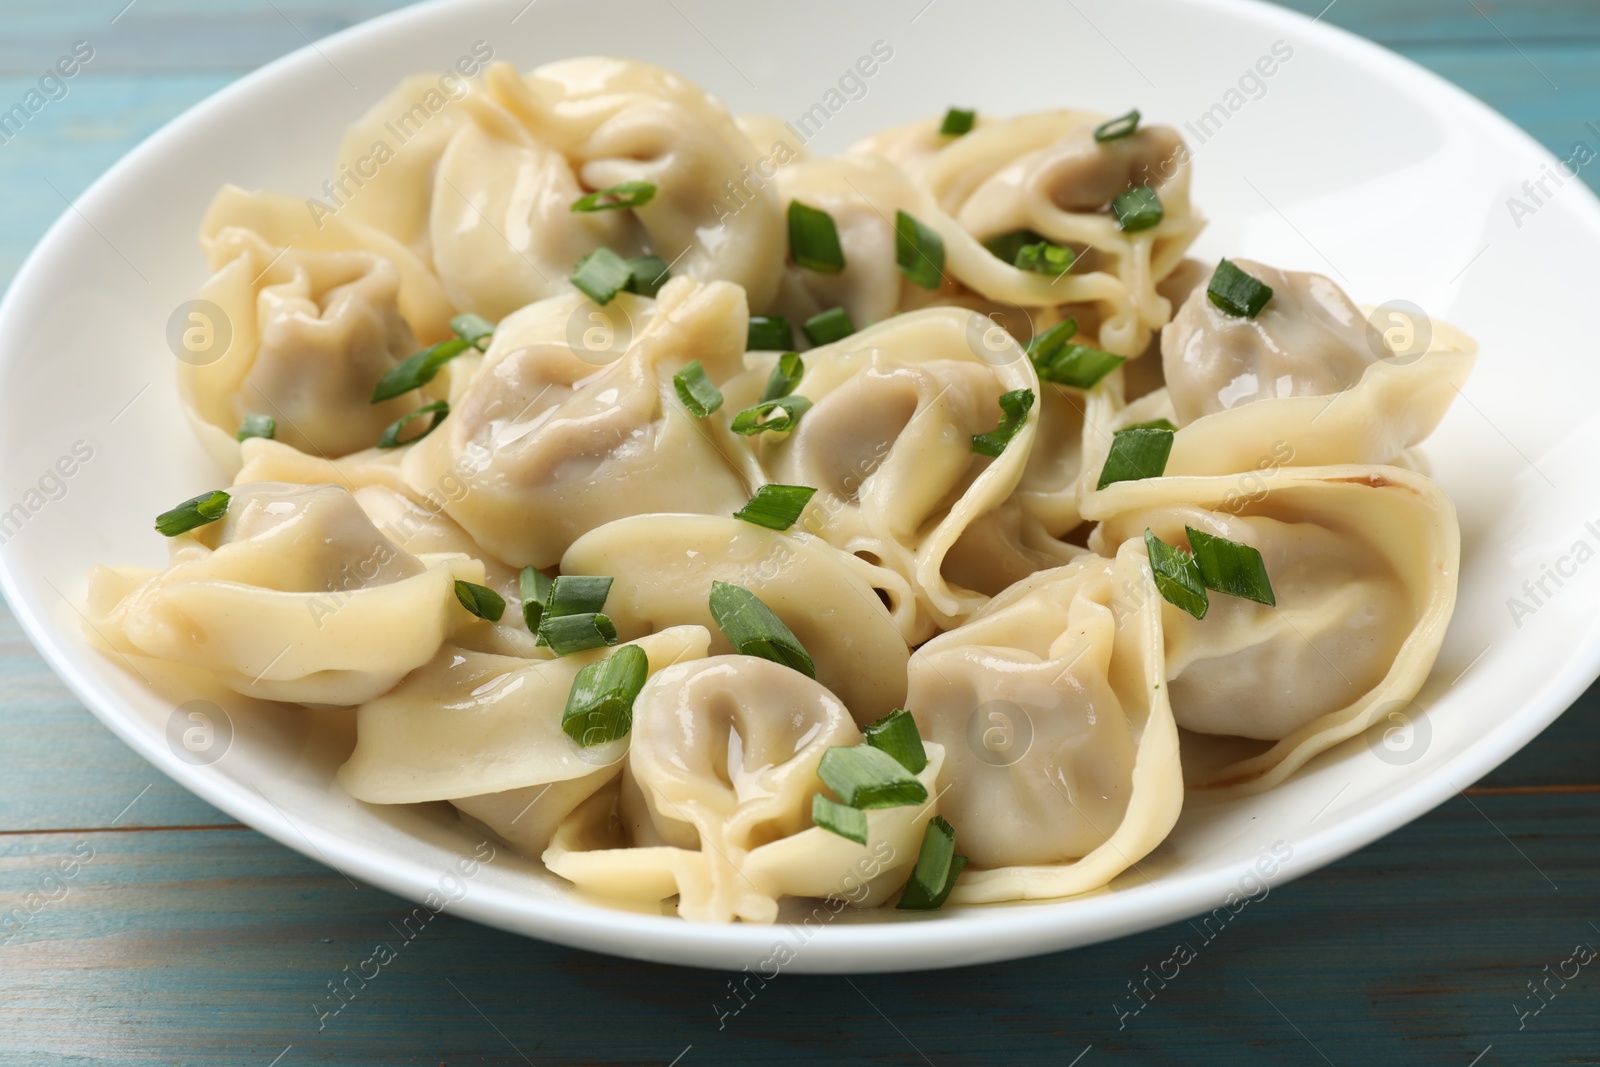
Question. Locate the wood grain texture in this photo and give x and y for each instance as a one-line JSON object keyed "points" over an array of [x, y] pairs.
{"points": [[179, 938]]}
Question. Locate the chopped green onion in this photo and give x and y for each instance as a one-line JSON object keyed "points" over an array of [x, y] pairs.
{"points": [[1014, 407], [600, 703], [814, 239], [957, 122], [1153, 424], [482, 601], [439, 409], [601, 275], [897, 734], [1080, 366], [786, 374], [418, 370], [192, 514], [1177, 576], [1045, 258], [1043, 347], [257, 426], [1137, 209], [566, 634], [646, 275], [1121, 126], [755, 630], [769, 333], [918, 251], [865, 777], [1006, 246], [1137, 452], [826, 327], [839, 818], [751, 420], [776, 507], [1237, 293], [626, 195], [937, 869], [696, 390], [578, 594], [534, 586], [1230, 567], [473, 329]]}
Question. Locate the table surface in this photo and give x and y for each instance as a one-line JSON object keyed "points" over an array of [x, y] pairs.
{"points": [[181, 937]]}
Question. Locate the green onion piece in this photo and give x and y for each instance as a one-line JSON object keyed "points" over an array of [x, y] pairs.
{"points": [[957, 122], [578, 594], [1045, 258], [1153, 424], [566, 634], [1137, 209], [646, 275], [1137, 452], [897, 734], [473, 329], [776, 507], [826, 327], [1080, 366], [1121, 126], [752, 420], [918, 251], [439, 409], [534, 586], [601, 275], [1044, 346], [1230, 567], [839, 818], [626, 195], [1005, 246], [1177, 576], [696, 390], [754, 630], [786, 374], [1014, 407], [257, 426], [937, 869], [1237, 293], [192, 514], [814, 239], [600, 704], [865, 777], [482, 601], [417, 370], [769, 333]]}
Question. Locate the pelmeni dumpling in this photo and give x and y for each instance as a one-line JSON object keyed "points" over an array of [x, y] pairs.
{"points": [[723, 765], [553, 438], [482, 729], [501, 226], [663, 567], [311, 334], [293, 595], [1047, 175], [1062, 762], [887, 445], [1363, 564]]}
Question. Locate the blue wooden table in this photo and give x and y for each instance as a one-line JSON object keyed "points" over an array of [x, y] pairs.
{"points": [[153, 929]]}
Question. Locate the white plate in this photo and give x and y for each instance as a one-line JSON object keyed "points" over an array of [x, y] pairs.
{"points": [[1352, 162]]}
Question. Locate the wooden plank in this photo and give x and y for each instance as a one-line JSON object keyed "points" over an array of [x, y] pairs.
{"points": [[1486, 22], [1415, 950]]}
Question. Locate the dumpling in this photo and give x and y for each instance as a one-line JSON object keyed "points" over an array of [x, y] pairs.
{"points": [[888, 446], [1062, 764], [293, 595], [1306, 382], [663, 566], [311, 334], [1363, 564], [482, 729], [723, 765], [1045, 176], [553, 439], [501, 226]]}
